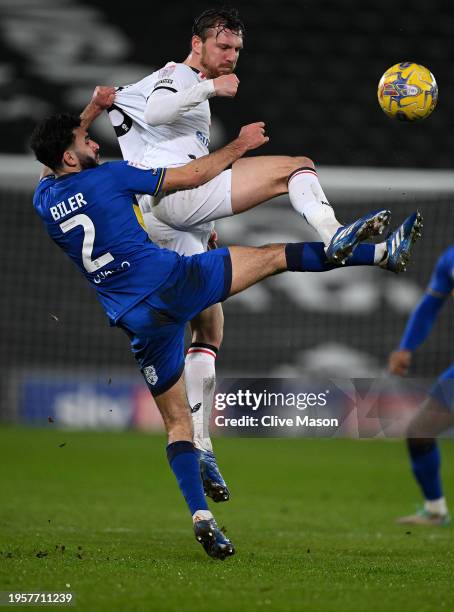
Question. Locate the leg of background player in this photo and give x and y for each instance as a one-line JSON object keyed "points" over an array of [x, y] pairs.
{"points": [[258, 179], [425, 459], [200, 378], [184, 462]]}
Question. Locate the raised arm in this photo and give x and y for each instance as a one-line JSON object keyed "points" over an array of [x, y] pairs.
{"points": [[102, 99], [207, 167]]}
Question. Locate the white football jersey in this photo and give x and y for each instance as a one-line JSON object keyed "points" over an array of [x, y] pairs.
{"points": [[164, 145]]}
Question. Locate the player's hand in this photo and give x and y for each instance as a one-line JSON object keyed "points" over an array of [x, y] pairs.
{"points": [[253, 136], [213, 241], [103, 96], [226, 85], [399, 362]]}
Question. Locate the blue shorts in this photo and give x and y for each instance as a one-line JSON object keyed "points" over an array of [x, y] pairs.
{"points": [[156, 325], [443, 389]]}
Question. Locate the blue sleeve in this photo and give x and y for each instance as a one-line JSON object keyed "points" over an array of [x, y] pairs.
{"points": [[137, 180], [441, 281], [425, 313], [421, 321], [43, 184]]}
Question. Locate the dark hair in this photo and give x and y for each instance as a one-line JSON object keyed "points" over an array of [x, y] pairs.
{"points": [[51, 137], [225, 18]]}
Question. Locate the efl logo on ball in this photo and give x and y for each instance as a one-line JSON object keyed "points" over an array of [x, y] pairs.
{"points": [[407, 92]]}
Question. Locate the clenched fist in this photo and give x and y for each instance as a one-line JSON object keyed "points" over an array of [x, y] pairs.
{"points": [[103, 96], [253, 136], [226, 85]]}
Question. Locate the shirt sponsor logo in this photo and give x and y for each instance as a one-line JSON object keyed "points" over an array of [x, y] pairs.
{"points": [[164, 82], [203, 139], [104, 274]]}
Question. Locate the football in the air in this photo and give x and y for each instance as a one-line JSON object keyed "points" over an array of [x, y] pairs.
{"points": [[407, 92]]}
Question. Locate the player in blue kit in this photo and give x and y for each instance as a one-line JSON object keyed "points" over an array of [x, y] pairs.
{"points": [[436, 414], [151, 292]]}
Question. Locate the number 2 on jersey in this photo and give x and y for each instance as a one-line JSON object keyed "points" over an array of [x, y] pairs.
{"points": [[91, 265]]}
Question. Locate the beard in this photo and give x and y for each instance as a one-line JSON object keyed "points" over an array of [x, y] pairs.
{"points": [[86, 162]]}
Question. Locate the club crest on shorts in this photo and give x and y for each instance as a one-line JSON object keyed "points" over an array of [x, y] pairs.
{"points": [[150, 375]]}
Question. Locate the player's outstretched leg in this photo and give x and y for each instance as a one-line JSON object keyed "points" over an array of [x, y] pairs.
{"points": [[258, 179], [184, 462], [200, 378]]}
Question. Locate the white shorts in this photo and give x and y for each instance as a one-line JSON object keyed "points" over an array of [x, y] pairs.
{"points": [[188, 242], [182, 221]]}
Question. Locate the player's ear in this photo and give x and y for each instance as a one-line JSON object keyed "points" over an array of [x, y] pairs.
{"points": [[69, 158], [196, 44]]}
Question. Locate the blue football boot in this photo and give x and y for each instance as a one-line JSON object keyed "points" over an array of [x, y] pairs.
{"points": [[213, 540], [213, 483], [348, 237], [400, 243]]}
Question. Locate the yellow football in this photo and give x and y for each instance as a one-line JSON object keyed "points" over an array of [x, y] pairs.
{"points": [[407, 92]]}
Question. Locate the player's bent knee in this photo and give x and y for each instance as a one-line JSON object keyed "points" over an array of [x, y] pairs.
{"points": [[296, 163], [303, 162]]}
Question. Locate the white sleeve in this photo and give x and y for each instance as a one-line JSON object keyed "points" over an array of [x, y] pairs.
{"points": [[165, 105]]}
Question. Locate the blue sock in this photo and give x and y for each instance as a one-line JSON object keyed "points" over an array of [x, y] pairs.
{"points": [[184, 461], [425, 462], [311, 257]]}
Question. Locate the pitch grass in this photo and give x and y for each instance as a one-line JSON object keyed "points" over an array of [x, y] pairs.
{"points": [[312, 521]]}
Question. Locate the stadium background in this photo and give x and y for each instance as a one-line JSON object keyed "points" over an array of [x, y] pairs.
{"points": [[310, 70]]}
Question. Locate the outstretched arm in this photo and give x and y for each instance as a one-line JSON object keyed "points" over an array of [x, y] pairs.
{"points": [[207, 167]]}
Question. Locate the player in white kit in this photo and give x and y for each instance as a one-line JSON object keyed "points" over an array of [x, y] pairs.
{"points": [[164, 120]]}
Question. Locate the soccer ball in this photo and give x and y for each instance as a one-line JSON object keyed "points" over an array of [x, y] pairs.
{"points": [[407, 92]]}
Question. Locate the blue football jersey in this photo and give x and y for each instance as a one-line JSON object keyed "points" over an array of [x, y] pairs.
{"points": [[89, 214]]}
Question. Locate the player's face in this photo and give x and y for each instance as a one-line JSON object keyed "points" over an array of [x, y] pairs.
{"points": [[220, 52], [85, 149]]}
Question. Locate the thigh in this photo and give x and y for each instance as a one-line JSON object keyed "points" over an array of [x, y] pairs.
{"points": [[442, 391], [436, 414], [157, 343], [201, 281], [196, 207], [258, 179], [432, 420]]}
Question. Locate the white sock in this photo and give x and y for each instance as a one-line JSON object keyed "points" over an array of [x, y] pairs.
{"points": [[380, 252], [201, 515], [308, 199], [200, 379], [436, 506]]}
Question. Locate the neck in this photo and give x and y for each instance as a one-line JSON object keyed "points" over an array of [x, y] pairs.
{"points": [[193, 62], [65, 171]]}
